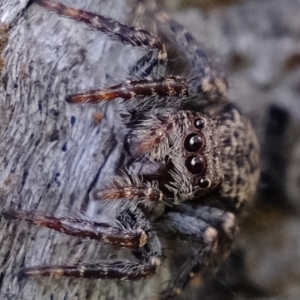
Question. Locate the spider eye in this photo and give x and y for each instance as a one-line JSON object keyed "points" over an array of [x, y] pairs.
{"points": [[204, 182], [193, 142], [196, 164], [199, 123]]}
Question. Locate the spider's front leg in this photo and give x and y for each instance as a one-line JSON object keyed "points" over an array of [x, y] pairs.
{"points": [[204, 72], [171, 86], [115, 269], [211, 229], [149, 256], [123, 187], [125, 34], [83, 228], [175, 87], [147, 247]]}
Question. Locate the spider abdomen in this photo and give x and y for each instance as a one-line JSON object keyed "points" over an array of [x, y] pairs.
{"points": [[240, 157]]}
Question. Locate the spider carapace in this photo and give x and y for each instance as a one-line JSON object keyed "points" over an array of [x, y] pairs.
{"points": [[189, 165]]}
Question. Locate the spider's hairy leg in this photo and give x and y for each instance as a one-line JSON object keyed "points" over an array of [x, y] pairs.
{"points": [[207, 77], [129, 192], [211, 228], [84, 228], [125, 188], [164, 87], [120, 32], [147, 66], [149, 260], [123, 270]]}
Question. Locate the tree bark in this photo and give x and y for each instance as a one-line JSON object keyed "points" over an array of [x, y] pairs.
{"points": [[53, 154]]}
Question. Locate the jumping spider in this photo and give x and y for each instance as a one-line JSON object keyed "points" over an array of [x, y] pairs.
{"points": [[189, 165]]}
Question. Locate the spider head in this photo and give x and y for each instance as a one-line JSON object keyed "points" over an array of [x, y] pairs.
{"points": [[202, 152], [195, 162]]}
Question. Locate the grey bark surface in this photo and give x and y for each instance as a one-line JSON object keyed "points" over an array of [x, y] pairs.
{"points": [[52, 152]]}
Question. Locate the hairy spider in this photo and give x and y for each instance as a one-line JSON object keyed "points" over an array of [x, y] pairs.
{"points": [[189, 165]]}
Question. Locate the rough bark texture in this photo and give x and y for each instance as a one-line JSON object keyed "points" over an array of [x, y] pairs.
{"points": [[53, 154]]}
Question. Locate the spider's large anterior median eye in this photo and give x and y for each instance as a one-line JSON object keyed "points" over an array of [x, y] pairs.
{"points": [[196, 164], [199, 123], [194, 142]]}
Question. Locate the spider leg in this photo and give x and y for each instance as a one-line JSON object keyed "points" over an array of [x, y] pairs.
{"points": [[120, 32], [149, 259], [174, 87], [123, 270], [147, 66], [163, 87], [130, 193], [123, 187], [84, 228], [211, 228], [207, 78]]}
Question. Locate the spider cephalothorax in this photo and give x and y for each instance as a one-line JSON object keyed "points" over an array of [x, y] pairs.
{"points": [[185, 144], [190, 160]]}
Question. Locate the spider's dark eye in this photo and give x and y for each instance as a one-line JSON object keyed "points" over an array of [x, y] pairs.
{"points": [[204, 183], [196, 164], [199, 123], [193, 142]]}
